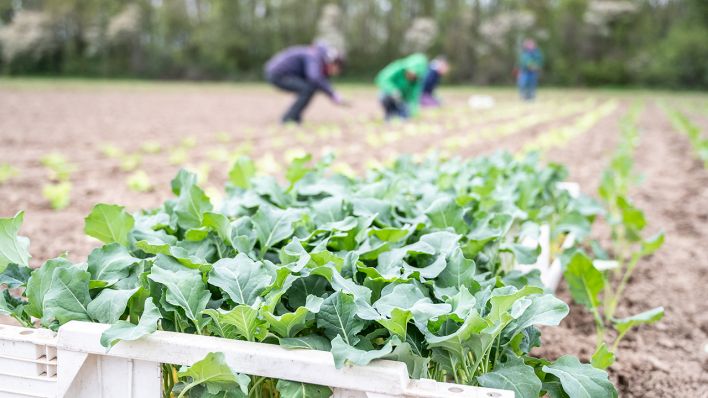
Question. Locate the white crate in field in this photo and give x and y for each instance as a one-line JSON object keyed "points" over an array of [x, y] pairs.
{"points": [[28, 362], [132, 369]]}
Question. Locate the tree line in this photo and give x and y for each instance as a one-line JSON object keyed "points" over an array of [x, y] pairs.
{"points": [[585, 42]]}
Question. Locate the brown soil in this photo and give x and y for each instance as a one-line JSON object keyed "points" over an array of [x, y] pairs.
{"points": [[666, 359]]}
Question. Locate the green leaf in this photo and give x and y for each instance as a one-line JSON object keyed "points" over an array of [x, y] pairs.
{"points": [[455, 342], [652, 244], [647, 317], [298, 168], [13, 249], [123, 330], [515, 376], [390, 234], [243, 320], [109, 223], [345, 354], [39, 283], [110, 263], [503, 299], [220, 224], [15, 275], [584, 280], [110, 304], [522, 254], [308, 342], [241, 278], [581, 380], [288, 324], [213, 370], [337, 317], [68, 296], [417, 365], [545, 310], [273, 225], [184, 289], [14, 307], [459, 271], [398, 322], [241, 172], [293, 389], [192, 202], [445, 213], [603, 358]]}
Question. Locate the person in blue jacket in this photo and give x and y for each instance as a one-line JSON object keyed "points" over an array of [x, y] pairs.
{"points": [[304, 70], [437, 69], [530, 63]]}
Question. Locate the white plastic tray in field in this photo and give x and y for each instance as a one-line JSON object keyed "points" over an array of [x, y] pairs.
{"points": [[28, 362], [81, 368], [550, 269]]}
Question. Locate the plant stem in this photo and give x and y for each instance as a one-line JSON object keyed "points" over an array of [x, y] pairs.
{"points": [[623, 284], [258, 381]]}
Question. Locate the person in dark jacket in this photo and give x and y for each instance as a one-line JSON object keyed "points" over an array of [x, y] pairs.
{"points": [[438, 68], [304, 70], [530, 63]]}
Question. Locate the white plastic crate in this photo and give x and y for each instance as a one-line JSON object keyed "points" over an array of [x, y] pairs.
{"points": [[132, 368], [28, 362]]}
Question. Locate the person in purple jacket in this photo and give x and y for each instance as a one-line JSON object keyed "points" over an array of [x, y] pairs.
{"points": [[304, 70]]}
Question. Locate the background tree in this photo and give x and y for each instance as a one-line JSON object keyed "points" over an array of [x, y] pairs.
{"points": [[586, 42]]}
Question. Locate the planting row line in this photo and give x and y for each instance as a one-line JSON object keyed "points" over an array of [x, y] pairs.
{"points": [[684, 125]]}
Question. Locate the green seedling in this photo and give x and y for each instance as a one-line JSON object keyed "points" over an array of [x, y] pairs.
{"points": [[151, 147], [131, 162], [111, 151], [139, 181], [7, 172], [57, 194], [59, 169], [178, 156]]}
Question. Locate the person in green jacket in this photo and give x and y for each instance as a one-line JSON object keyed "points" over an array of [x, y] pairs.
{"points": [[401, 84]]}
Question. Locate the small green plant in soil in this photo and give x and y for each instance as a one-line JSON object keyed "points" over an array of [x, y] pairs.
{"points": [[139, 181], [7, 172], [59, 169]]}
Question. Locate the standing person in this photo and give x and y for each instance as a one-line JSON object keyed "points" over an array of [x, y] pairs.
{"points": [[400, 85], [303, 70], [438, 68], [530, 63]]}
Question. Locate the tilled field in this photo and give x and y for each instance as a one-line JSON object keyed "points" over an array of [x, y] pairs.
{"points": [[208, 126]]}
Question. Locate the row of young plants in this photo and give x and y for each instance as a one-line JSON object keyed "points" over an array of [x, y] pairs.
{"points": [[683, 124], [413, 263], [517, 125], [599, 284], [559, 136]]}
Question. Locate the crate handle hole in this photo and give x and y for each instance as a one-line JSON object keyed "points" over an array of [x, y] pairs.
{"points": [[493, 394], [26, 332], [455, 389]]}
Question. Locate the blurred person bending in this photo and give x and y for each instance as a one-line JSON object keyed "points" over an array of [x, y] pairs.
{"points": [[303, 70], [400, 86]]}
